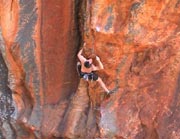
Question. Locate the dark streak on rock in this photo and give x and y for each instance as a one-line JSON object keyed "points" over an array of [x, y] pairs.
{"points": [[130, 36], [109, 23], [12, 5], [28, 18], [110, 44], [118, 70], [132, 30], [27, 22], [110, 9], [135, 6]]}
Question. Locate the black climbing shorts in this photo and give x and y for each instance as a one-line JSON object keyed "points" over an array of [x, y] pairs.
{"points": [[87, 76]]}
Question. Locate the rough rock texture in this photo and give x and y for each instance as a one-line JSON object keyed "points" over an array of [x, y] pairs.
{"points": [[138, 42], [39, 43]]}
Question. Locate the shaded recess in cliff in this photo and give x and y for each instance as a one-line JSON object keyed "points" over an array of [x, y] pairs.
{"points": [[59, 47], [60, 41], [6, 106]]}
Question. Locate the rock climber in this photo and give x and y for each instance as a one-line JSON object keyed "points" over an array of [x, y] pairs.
{"points": [[86, 70]]}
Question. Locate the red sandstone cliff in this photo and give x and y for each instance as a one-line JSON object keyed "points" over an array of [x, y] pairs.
{"points": [[138, 42]]}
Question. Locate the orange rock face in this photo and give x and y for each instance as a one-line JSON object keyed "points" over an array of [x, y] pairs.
{"points": [[138, 43], [39, 48]]}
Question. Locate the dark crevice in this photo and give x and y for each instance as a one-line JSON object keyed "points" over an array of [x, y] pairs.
{"points": [[92, 124], [6, 106], [79, 21]]}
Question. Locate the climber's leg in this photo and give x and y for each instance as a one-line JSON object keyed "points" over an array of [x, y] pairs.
{"points": [[99, 80]]}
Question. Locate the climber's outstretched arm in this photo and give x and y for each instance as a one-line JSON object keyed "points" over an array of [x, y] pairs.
{"points": [[100, 65], [80, 56]]}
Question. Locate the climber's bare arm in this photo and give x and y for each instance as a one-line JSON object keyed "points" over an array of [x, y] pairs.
{"points": [[100, 65], [80, 56]]}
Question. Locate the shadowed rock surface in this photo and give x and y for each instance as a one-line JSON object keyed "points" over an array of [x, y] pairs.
{"points": [[41, 95]]}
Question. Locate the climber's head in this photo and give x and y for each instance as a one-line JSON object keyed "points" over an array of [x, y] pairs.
{"points": [[88, 63]]}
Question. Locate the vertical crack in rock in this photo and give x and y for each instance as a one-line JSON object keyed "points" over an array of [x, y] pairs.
{"points": [[79, 21], [65, 110], [78, 120]]}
